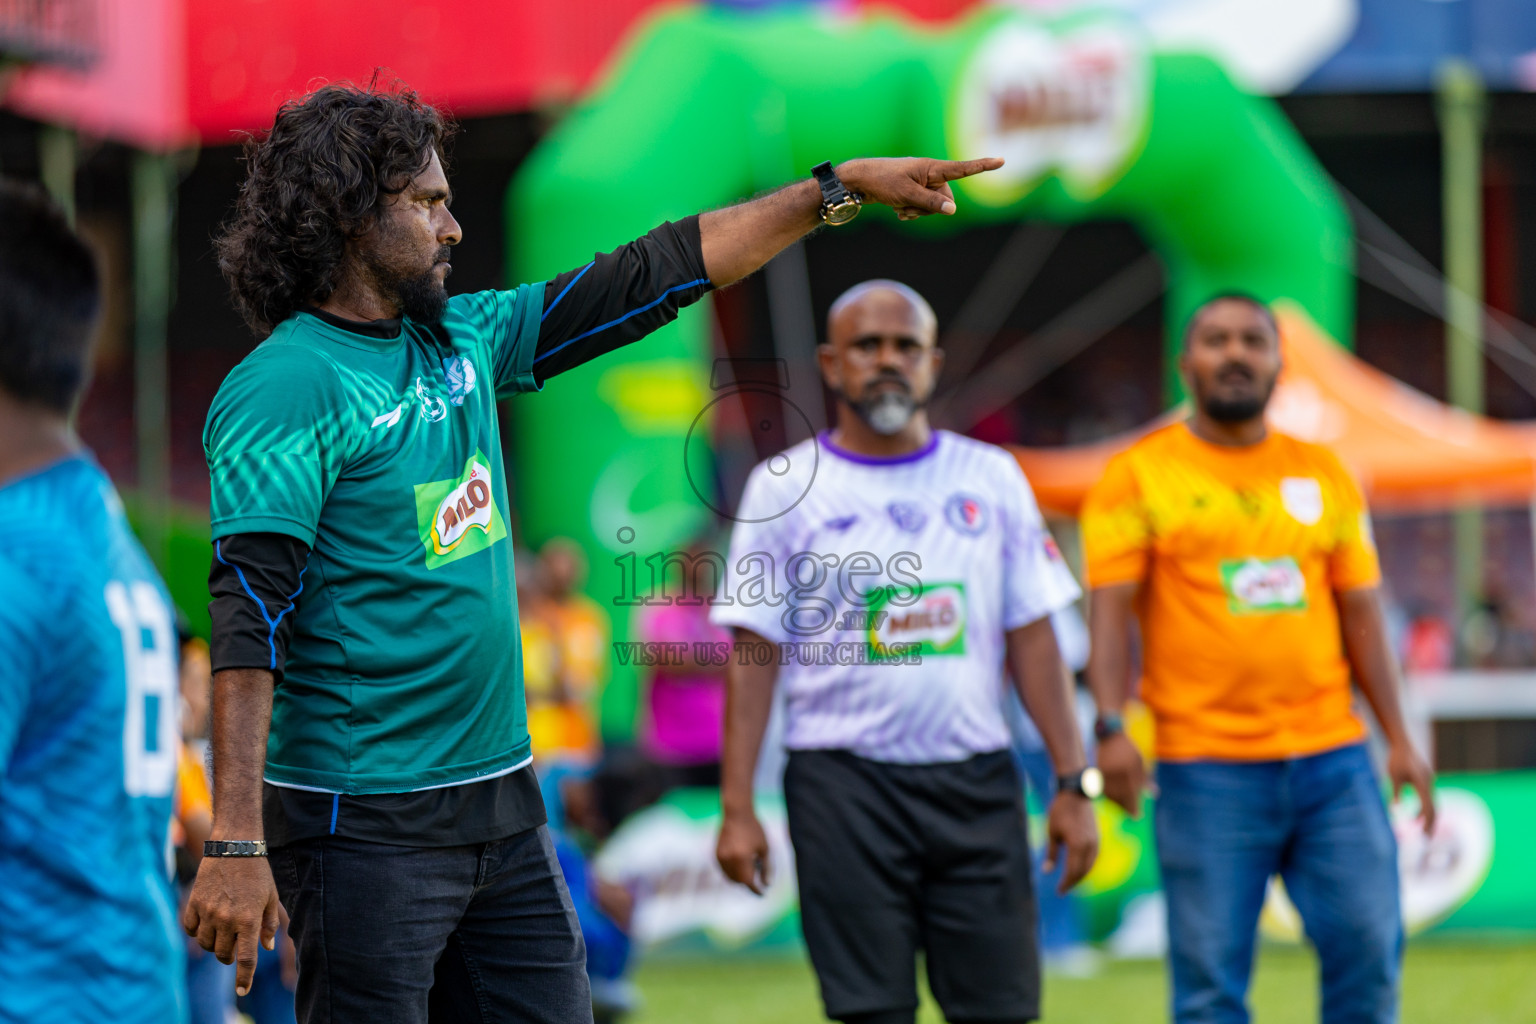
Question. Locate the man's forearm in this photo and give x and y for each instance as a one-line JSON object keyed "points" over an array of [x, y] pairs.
{"points": [[242, 713], [739, 239], [748, 702], [1109, 624], [1046, 690], [1370, 657]]}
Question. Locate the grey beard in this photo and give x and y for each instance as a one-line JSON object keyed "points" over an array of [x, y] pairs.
{"points": [[887, 413]]}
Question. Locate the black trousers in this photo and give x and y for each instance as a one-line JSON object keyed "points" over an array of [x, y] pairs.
{"points": [[892, 859], [480, 934]]}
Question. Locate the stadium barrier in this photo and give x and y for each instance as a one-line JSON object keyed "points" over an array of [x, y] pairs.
{"points": [[1471, 876]]}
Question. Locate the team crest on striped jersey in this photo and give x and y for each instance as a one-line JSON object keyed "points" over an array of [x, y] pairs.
{"points": [[907, 516], [966, 513]]}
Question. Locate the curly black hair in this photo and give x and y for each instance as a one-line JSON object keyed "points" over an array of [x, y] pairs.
{"points": [[314, 182]]}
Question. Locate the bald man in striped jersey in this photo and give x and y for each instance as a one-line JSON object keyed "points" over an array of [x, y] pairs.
{"points": [[892, 571]]}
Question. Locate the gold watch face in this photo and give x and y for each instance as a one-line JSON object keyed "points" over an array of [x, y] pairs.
{"points": [[840, 213]]}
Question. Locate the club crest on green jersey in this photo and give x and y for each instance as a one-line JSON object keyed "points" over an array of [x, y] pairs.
{"points": [[459, 373], [459, 517]]}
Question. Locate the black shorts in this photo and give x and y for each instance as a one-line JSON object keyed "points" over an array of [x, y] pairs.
{"points": [[895, 858]]}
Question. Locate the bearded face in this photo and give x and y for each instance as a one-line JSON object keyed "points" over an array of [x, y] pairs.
{"points": [[408, 271], [880, 358], [1231, 359], [405, 256]]}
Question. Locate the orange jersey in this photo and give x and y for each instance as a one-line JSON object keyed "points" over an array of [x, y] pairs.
{"points": [[1239, 553], [192, 796], [582, 628]]}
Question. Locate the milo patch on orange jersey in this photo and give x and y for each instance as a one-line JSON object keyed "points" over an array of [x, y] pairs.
{"points": [[1260, 586]]}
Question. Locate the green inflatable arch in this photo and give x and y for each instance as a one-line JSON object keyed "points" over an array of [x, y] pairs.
{"points": [[708, 106]]}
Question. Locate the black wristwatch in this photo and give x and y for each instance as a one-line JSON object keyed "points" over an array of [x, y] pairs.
{"points": [[1108, 724], [234, 848], [1087, 783], [838, 205]]}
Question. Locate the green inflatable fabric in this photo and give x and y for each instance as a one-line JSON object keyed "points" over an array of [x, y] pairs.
{"points": [[705, 107]]}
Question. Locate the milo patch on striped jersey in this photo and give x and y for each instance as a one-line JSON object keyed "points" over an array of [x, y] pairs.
{"points": [[931, 624], [459, 517]]}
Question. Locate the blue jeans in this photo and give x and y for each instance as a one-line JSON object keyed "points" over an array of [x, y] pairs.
{"points": [[1319, 822], [408, 934], [210, 987]]}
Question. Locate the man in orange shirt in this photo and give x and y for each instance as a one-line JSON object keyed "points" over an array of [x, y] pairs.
{"points": [[1247, 557]]}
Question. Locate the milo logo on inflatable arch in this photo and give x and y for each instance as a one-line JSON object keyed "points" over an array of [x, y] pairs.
{"points": [[1072, 101]]}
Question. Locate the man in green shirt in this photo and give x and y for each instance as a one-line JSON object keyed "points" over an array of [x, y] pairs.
{"points": [[369, 723]]}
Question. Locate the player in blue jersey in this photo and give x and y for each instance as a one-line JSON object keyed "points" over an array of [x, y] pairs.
{"points": [[88, 695]]}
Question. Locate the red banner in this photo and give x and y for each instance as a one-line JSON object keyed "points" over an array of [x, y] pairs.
{"points": [[169, 72]]}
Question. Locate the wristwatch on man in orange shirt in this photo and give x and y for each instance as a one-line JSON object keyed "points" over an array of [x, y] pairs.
{"points": [[1109, 723]]}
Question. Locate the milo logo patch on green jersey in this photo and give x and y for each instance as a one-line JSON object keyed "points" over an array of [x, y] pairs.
{"points": [[933, 624], [459, 517], [1257, 586]]}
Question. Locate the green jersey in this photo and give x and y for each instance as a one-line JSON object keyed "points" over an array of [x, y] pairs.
{"points": [[384, 457]]}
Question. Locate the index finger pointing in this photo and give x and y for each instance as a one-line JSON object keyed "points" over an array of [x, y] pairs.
{"points": [[950, 170], [245, 962]]}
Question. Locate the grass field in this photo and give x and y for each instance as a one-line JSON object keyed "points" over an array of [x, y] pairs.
{"points": [[1442, 984]]}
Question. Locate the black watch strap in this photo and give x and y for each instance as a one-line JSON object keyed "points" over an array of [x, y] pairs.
{"points": [[1088, 782], [833, 191], [1108, 724], [234, 848]]}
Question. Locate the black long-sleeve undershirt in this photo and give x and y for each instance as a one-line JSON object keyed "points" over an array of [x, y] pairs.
{"points": [[620, 297]]}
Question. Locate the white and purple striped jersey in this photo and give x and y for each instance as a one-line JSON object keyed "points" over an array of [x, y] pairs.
{"points": [[888, 585]]}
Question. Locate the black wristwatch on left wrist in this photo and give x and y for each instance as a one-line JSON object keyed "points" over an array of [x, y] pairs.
{"points": [[838, 204], [1088, 783], [1109, 723]]}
